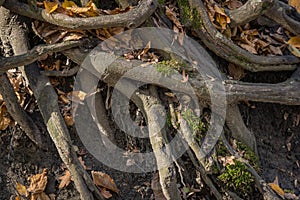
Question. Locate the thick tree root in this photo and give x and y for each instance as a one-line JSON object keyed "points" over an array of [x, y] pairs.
{"points": [[167, 173]]}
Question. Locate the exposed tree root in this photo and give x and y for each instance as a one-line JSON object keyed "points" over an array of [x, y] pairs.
{"points": [[131, 19], [226, 49], [167, 173]]}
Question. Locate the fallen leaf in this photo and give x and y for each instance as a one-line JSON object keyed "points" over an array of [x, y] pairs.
{"points": [[105, 193], [77, 96], [69, 120], [173, 17], [50, 7], [104, 180], [227, 160], [294, 50], [294, 41], [65, 180], [17, 198], [249, 48], [276, 188], [38, 182], [296, 4], [5, 119], [39, 196], [22, 189]]}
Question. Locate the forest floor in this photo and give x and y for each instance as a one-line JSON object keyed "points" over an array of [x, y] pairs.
{"points": [[276, 128]]}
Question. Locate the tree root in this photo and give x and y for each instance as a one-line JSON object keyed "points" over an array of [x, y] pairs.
{"points": [[167, 173], [34, 54], [226, 49], [251, 10], [130, 19], [17, 112], [47, 102], [238, 128]]}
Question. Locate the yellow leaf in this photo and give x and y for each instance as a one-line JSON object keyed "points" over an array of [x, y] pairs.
{"points": [[50, 7], [276, 188], [4, 117], [17, 198], [294, 50], [65, 180], [296, 4], [295, 41], [68, 4], [104, 180], [21, 189]]}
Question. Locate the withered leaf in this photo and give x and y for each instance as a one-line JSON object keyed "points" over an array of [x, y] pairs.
{"points": [[276, 188], [296, 4], [50, 7], [38, 182], [65, 180], [5, 119], [104, 180], [294, 41], [105, 193], [21, 189]]}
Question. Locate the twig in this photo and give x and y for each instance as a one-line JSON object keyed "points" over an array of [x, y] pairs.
{"points": [[130, 19]]}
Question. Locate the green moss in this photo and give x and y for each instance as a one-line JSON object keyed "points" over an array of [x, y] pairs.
{"points": [[161, 2], [190, 15], [195, 123], [167, 67], [249, 155], [238, 179]]}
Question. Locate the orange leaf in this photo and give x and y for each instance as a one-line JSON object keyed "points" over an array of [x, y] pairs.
{"points": [[50, 7], [296, 4], [104, 180], [276, 188], [21, 189], [295, 41], [68, 4], [65, 180]]}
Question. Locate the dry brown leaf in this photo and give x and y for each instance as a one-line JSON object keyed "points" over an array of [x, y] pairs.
{"points": [[173, 17], [38, 182], [5, 119], [17, 198], [76, 96], [39, 196], [50, 7], [249, 48], [65, 180], [118, 10], [276, 188], [236, 72], [294, 41], [22, 189], [227, 160], [104, 180], [296, 4], [105, 193]]}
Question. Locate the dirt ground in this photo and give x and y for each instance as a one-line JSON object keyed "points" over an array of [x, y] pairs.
{"points": [[276, 128]]}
